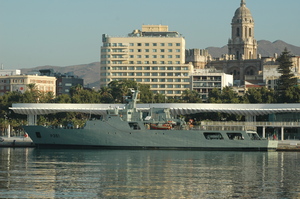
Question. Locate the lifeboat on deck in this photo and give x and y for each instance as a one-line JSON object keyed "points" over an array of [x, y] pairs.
{"points": [[165, 126]]}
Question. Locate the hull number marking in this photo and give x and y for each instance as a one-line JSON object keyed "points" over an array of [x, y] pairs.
{"points": [[55, 135]]}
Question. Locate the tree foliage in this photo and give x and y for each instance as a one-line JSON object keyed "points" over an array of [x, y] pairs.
{"points": [[191, 96], [286, 80], [227, 95], [259, 95]]}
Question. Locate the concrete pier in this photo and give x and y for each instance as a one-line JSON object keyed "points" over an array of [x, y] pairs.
{"points": [[16, 142], [289, 145]]}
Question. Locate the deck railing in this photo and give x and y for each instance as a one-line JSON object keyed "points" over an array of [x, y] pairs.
{"points": [[211, 125]]}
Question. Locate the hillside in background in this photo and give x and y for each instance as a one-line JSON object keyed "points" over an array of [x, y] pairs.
{"points": [[91, 72], [265, 48]]}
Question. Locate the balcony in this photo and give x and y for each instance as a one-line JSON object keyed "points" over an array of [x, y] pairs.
{"points": [[119, 58]]}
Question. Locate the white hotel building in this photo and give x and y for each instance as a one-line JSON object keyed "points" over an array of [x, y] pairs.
{"points": [[153, 55]]}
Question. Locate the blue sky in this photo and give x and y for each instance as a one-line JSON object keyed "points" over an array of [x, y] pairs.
{"points": [[68, 32]]}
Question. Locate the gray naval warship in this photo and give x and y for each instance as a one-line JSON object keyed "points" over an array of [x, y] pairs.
{"points": [[152, 128]]}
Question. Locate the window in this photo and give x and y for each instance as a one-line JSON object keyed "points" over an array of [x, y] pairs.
{"points": [[146, 56], [162, 56], [154, 44], [139, 44], [146, 44], [38, 134], [139, 62], [170, 50], [235, 136], [131, 50], [170, 85], [154, 68], [162, 44], [154, 50], [139, 56], [68, 84], [178, 50], [162, 62], [131, 44], [162, 50], [154, 62], [170, 62], [213, 136], [139, 50], [162, 68], [131, 56], [170, 56], [253, 136], [154, 56], [131, 62], [134, 125], [177, 56], [170, 44], [147, 50], [177, 44], [139, 68]]}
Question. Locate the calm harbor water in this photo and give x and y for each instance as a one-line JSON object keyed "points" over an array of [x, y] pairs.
{"points": [[68, 173]]}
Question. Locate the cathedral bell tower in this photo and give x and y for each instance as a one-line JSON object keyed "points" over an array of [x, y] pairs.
{"points": [[242, 43]]}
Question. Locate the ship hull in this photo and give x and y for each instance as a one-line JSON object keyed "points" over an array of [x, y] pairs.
{"points": [[118, 135]]}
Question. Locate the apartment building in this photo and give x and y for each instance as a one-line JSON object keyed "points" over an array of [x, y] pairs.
{"points": [[20, 82], [153, 55], [64, 82], [204, 80]]}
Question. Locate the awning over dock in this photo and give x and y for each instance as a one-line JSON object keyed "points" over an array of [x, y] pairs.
{"points": [[176, 108]]}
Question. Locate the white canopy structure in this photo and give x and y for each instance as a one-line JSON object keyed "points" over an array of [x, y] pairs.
{"points": [[250, 111], [176, 109]]}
